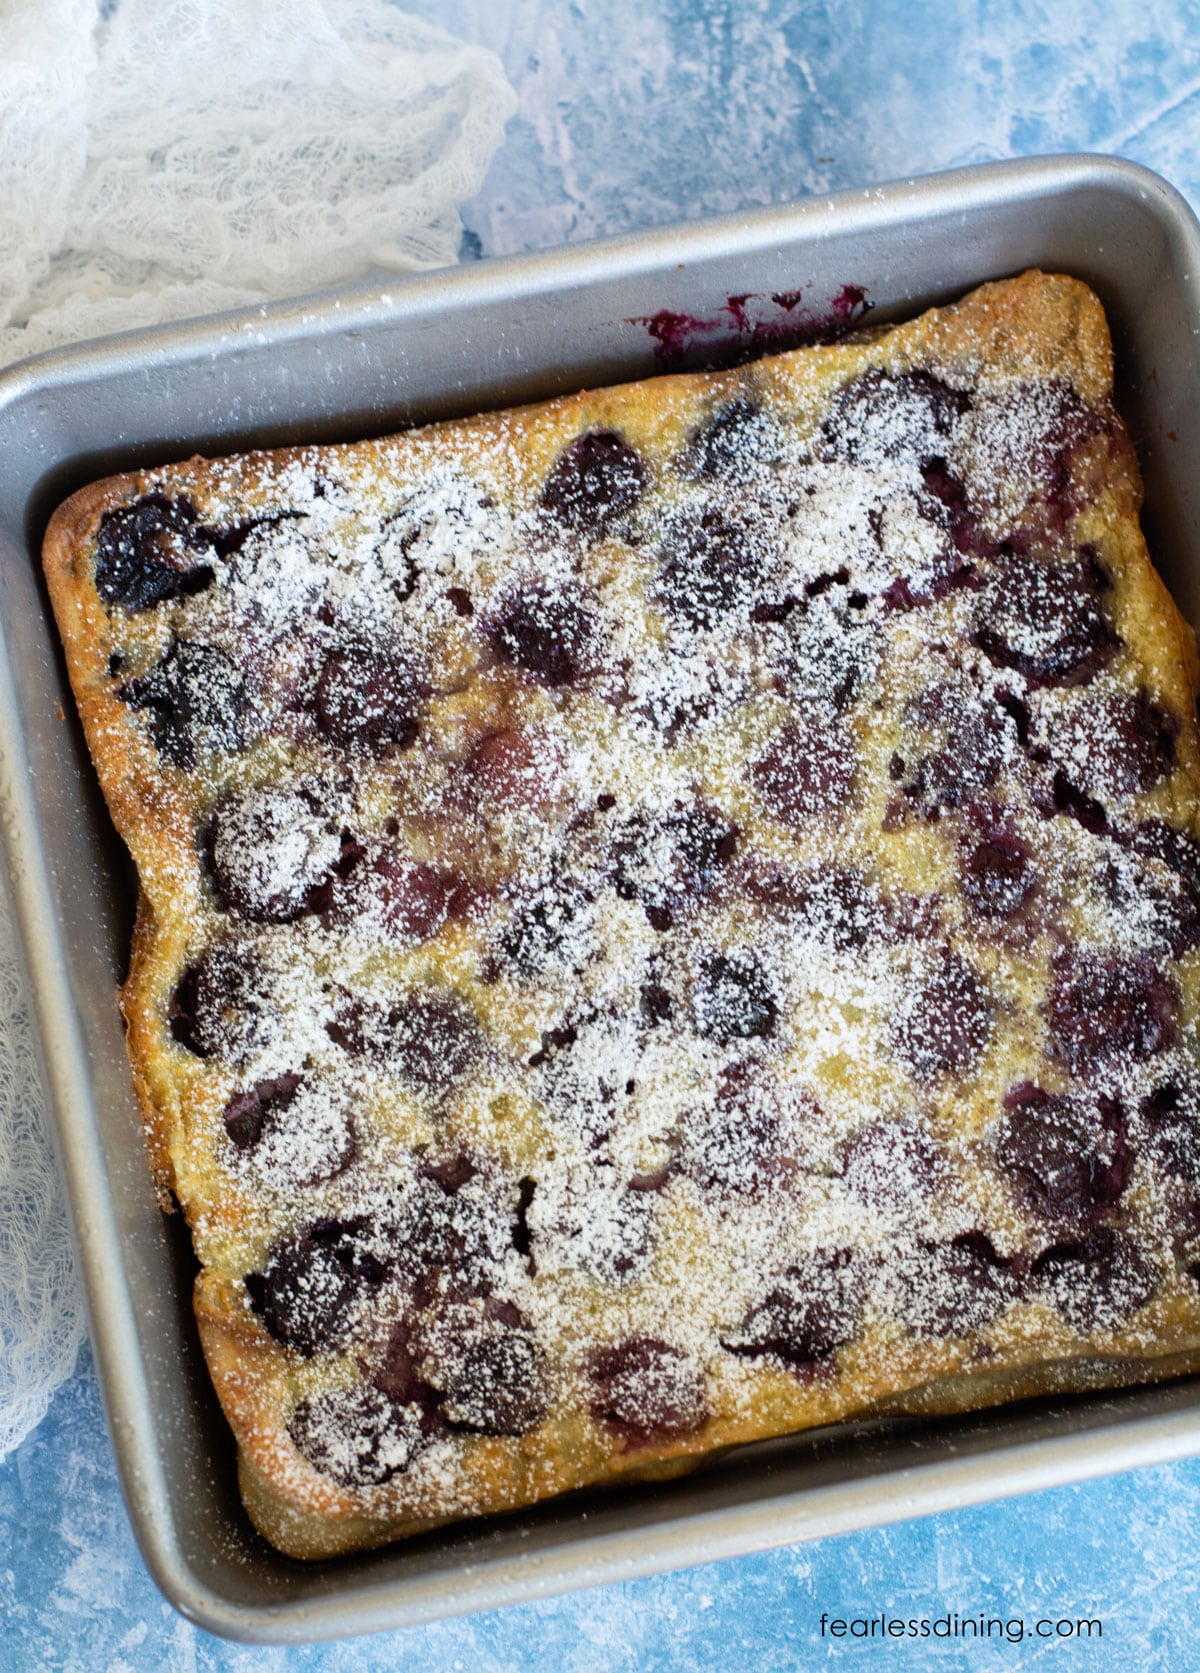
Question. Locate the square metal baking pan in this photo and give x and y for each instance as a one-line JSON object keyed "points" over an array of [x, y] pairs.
{"points": [[364, 363]]}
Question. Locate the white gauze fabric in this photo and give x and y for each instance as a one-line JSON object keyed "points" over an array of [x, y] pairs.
{"points": [[164, 158], [161, 159]]}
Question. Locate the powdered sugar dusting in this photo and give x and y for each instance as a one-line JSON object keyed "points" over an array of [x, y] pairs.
{"points": [[647, 886]]}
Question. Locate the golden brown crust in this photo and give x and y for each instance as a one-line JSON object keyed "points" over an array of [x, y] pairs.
{"points": [[1034, 333]]}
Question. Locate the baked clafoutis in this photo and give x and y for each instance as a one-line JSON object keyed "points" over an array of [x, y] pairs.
{"points": [[667, 917]]}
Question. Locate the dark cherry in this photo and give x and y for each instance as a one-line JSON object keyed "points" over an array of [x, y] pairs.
{"points": [[669, 861], [1046, 622], [441, 1227], [312, 1281], [823, 657], [655, 1004], [731, 442], [595, 483], [193, 701], [512, 769], [889, 415], [968, 758], [997, 877], [535, 934], [711, 564], [646, 1391], [224, 1002], [431, 1039], [1067, 1156], [409, 900], [890, 1163], [1053, 424], [836, 904], [733, 999], [146, 553], [257, 873], [1062, 796], [1174, 902], [367, 699], [1104, 1009], [948, 493], [807, 769], [944, 1025], [522, 1235], [812, 1309], [739, 1141], [1171, 1116], [1127, 744], [397, 1376], [628, 1237], [549, 635], [298, 1137], [356, 1436], [1097, 1280], [495, 1383], [955, 1287], [248, 1113]]}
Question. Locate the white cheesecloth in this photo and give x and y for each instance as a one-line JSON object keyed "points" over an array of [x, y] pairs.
{"points": [[161, 159]]}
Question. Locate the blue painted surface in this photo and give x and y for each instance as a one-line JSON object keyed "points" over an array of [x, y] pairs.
{"points": [[635, 113]]}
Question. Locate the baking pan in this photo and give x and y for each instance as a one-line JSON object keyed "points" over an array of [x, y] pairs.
{"points": [[362, 363]]}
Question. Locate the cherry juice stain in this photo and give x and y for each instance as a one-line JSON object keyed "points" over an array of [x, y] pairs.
{"points": [[752, 323]]}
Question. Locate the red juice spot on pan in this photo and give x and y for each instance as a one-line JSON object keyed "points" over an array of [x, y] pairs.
{"points": [[750, 323]]}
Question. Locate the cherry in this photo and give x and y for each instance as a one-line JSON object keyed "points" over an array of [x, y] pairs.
{"points": [[943, 1026], [836, 904], [1046, 622], [955, 1287], [597, 479], [356, 1436], [890, 1163], [193, 699], [513, 769], [1105, 1009], [731, 442], [145, 553], [247, 1113], [494, 1382], [407, 899], [968, 758], [439, 1226], [435, 1039], [365, 698], [224, 1002], [430, 1038], [807, 768], [312, 1282], [1119, 747], [646, 1391], [541, 926], [739, 1140], [813, 1308], [269, 854], [1171, 1114], [1096, 1281], [669, 861], [997, 878], [549, 635], [1174, 902], [733, 999], [1067, 1158], [711, 565], [890, 416]]}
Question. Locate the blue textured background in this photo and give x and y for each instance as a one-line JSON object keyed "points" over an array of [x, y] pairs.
{"points": [[634, 113]]}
